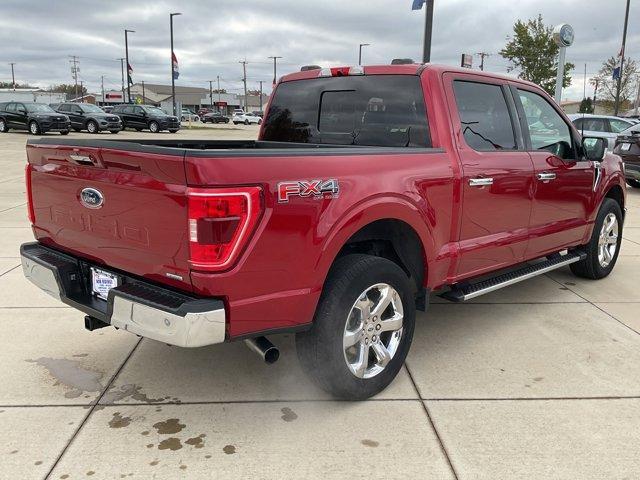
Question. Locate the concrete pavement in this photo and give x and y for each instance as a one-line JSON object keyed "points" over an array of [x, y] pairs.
{"points": [[541, 380]]}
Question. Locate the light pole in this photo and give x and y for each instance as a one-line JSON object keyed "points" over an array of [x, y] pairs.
{"points": [[173, 80], [126, 56], [122, 72], [360, 52], [13, 77], [563, 36], [624, 41], [275, 76]]}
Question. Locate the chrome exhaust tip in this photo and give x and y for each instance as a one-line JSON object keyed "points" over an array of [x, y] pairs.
{"points": [[263, 347]]}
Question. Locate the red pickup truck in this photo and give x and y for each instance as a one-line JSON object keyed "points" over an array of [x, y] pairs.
{"points": [[367, 189]]}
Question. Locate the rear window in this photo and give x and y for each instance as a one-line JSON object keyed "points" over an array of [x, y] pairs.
{"points": [[376, 110]]}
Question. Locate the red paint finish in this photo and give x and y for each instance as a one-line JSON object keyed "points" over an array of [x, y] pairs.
{"points": [[276, 278]]}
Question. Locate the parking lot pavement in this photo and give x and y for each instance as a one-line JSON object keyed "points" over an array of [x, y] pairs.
{"points": [[540, 380]]}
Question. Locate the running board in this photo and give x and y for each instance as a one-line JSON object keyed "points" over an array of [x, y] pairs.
{"points": [[460, 293]]}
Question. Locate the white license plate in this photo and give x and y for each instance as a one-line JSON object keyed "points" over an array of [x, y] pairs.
{"points": [[102, 282], [625, 147]]}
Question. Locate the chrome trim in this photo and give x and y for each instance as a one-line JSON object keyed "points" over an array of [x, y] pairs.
{"points": [[597, 174], [513, 281], [545, 177], [480, 182], [41, 277]]}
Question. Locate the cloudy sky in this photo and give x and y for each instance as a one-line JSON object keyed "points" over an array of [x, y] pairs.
{"points": [[212, 36]]}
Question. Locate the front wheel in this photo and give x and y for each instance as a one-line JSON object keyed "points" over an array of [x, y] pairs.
{"points": [[362, 329], [604, 246], [92, 127], [34, 128], [64, 132], [631, 183], [3, 126]]}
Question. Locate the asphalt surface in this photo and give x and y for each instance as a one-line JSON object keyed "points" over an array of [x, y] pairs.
{"points": [[540, 380]]}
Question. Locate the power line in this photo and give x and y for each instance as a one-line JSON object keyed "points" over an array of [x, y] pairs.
{"points": [[75, 69]]}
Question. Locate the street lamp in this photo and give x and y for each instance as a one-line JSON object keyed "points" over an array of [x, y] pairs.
{"points": [[126, 56], [173, 80], [360, 52]]}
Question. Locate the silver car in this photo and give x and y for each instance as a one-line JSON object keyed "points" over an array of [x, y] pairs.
{"points": [[603, 126]]}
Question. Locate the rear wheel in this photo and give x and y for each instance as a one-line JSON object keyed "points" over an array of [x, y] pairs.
{"points": [[92, 127], [631, 183], [34, 128], [114, 131], [64, 132], [173, 130], [154, 127], [3, 126], [604, 246], [362, 328], [246, 122]]}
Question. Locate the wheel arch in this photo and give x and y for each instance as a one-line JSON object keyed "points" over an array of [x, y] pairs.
{"points": [[616, 193]]}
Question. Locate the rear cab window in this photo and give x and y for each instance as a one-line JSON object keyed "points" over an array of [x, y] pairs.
{"points": [[373, 110]]}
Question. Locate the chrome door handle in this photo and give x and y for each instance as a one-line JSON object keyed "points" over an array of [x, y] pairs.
{"points": [[545, 177], [480, 182]]}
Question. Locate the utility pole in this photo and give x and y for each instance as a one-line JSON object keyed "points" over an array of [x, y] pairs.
{"points": [[143, 94], [126, 55], [584, 88], [637, 104], [81, 93], [482, 56], [244, 81], [275, 76], [624, 41], [122, 71], [260, 96], [102, 87], [360, 52], [173, 80], [211, 94], [428, 30], [218, 78], [595, 95], [75, 69], [13, 77]]}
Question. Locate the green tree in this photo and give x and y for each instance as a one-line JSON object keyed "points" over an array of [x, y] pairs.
{"points": [[586, 105], [532, 51], [69, 89], [18, 85], [607, 85]]}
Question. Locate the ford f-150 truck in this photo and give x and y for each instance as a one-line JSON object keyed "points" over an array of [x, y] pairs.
{"points": [[368, 188]]}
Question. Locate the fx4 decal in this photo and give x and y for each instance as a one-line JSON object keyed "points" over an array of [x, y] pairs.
{"points": [[308, 188]]}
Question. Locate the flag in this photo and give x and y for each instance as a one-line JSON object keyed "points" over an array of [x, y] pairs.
{"points": [[174, 66], [129, 73], [417, 4], [616, 69]]}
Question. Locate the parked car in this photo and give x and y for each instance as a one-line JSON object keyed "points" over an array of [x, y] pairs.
{"points": [[37, 118], [141, 117], [363, 193], [215, 117], [107, 108], [246, 118], [203, 111], [628, 148], [188, 116], [258, 113], [85, 116], [604, 126]]}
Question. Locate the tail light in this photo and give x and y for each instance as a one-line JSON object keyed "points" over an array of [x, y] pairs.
{"points": [[221, 221], [27, 180], [341, 71]]}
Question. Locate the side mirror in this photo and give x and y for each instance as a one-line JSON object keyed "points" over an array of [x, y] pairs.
{"points": [[594, 148]]}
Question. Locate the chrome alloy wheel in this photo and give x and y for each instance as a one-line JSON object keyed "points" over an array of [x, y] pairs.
{"points": [[608, 240], [373, 330]]}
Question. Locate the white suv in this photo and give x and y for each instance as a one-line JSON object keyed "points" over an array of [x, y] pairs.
{"points": [[241, 117], [603, 126]]}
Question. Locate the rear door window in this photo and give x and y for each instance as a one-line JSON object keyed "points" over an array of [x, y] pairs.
{"points": [[591, 124], [375, 110], [618, 126], [484, 116], [11, 107]]}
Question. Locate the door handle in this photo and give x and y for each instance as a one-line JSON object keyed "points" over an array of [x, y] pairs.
{"points": [[480, 182], [546, 177]]}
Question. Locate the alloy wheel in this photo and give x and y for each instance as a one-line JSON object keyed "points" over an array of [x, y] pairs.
{"points": [[608, 240]]}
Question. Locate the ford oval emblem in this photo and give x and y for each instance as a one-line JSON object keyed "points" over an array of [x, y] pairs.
{"points": [[91, 197]]}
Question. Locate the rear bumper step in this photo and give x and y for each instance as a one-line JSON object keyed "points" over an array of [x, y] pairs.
{"points": [[461, 293], [136, 306]]}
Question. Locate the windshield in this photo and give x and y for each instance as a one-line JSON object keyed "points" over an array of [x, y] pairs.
{"points": [[39, 107], [155, 110], [88, 108], [376, 110]]}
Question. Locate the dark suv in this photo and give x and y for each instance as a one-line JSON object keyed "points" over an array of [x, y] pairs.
{"points": [[85, 116], [149, 117], [214, 117], [37, 118]]}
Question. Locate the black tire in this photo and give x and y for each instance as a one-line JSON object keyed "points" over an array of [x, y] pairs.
{"points": [[114, 131], [3, 126], [64, 132], [320, 349], [154, 127], [173, 130], [92, 127], [591, 267], [34, 128], [259, 122], [634, 183], [246, 122]]}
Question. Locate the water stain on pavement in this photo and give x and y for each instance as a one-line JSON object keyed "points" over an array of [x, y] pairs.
{"points": [[229, 449], [169, 426], [71, 374], [183, 467], [128, 391], [118, 421], [171, 443], [288, 415], [197, 442], [154, 463], [370, 443]]}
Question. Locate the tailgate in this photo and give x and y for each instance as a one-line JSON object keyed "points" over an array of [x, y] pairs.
{"points": [[120, 208]]}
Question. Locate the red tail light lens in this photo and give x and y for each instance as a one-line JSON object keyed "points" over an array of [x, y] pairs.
{"points": [[220, 223], [27, 180]]}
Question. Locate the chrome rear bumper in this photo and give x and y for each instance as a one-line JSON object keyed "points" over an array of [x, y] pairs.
{"points": [[136, 306]]}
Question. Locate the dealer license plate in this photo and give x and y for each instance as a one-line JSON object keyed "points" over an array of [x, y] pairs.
{"points": [[102, 282], [625, 147]]}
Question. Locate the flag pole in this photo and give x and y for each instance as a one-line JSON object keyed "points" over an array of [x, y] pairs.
{"points": [[624, 41], [428, 29]]}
